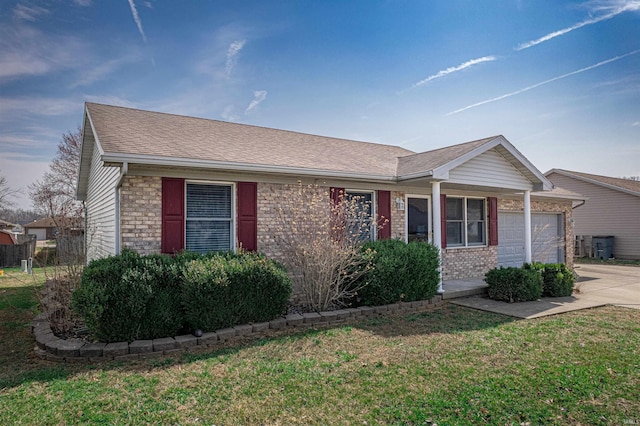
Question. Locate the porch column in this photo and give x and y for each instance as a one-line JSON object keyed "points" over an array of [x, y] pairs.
{"points": [[437, 230], [527, 226]]}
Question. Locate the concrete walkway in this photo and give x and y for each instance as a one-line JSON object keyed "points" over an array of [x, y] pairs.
{"points": [[597, 285]]}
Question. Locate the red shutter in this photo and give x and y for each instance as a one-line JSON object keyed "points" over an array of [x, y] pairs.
{"points": [[384, 215], [493, 221], [336, 195], [172, 239], [248, 215], [443, 220]]}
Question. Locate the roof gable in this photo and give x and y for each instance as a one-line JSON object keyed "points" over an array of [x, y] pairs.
{"points": [[627, 186], [438, 164]]}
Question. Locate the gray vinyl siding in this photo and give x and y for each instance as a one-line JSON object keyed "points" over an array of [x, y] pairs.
{"points": [[489, 169], [101, 208], [606, 212]]}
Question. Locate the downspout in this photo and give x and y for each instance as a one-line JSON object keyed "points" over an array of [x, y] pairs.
{"points": [[579, 205], [123, 171]]}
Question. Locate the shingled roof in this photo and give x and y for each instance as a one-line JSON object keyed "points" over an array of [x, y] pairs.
{"points": [[624, 185], [141, 134], [153, 138]]}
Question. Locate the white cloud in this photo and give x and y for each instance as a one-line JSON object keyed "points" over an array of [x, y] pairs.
{"points": [[228, 114], [526, 89], [111, 100], [635, 124], [136, 18], [83, 3], [450, 70], [259, 97], [232, 55], [102, 70], [26, 12], [10, 107], [26, 51], [612, 9]]}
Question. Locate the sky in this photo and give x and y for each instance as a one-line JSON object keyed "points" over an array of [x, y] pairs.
{"points": [[559, 79]]}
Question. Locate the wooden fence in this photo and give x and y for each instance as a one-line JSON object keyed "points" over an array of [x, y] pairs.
{"points": [[11, 255]]}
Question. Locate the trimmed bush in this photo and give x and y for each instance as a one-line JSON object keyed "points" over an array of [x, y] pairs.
{"points": [[558, 280], [229, 289], [401, 272], [129, 297], [514, 284]]}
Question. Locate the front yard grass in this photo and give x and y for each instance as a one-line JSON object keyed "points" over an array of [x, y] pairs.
{"points": [[448, 366]]}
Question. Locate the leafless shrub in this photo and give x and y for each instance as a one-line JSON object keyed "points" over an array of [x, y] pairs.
{"points": [[54, 197], [320, 243]]}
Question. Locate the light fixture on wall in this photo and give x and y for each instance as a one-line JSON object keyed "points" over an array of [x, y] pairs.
{"points": [[399, 203]]}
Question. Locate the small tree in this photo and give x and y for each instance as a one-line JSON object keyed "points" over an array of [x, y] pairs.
{"points": [[320, 243], [54, 196]]}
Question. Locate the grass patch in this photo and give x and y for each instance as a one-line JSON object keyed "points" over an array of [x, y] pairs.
{"points": [[596, 261], [448, 366]]}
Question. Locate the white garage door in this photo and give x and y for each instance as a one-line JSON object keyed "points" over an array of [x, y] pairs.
{"points": [[40, 233], [546, 238]]}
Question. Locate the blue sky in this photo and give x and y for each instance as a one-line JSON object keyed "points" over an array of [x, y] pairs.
{"points": [[559, 79]]}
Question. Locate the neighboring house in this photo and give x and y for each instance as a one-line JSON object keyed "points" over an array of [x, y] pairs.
{"points": [[156, 182], [43, 229], [47, 228], [612, 208], [7, 237], [4, 225]]}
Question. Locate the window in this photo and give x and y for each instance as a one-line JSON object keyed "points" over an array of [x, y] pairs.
{"points": [[209, 217], [417, 219], [364, 209], [465, 222]]}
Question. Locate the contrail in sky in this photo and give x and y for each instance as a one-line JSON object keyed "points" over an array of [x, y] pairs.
{"points": [[626, 7], [136, 18], [526, 89], [450, 70]]}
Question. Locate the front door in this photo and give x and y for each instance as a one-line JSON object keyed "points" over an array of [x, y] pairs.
{"points": [[417, 219]]}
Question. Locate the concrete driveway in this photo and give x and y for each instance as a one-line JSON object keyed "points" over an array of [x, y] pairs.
{"points": [[597, 285]]}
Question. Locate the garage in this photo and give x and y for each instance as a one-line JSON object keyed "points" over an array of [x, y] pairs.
{"points": [[546, 238]]}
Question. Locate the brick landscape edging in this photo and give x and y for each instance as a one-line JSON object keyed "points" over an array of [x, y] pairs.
{"points": [[52, 348]]}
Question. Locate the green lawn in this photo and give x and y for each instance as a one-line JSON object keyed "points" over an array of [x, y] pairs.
{"points": [[448, 366]]}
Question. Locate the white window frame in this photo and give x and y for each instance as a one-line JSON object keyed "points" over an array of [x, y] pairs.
{"points": [[373, 231], [234, 197], [429, 216], [465, 223]]}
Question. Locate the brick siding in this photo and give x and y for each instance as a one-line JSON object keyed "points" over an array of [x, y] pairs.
{"points": [[141, 213], [460, 263]]}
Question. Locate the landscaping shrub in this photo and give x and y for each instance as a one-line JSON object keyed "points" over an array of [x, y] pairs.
{"points": [[129, 297], [230, 289], [400, 272], [514, 284], [557, 279]]}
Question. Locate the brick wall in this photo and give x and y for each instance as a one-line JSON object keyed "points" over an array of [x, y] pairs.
{"points": [[397, 217], [463, 263], [141, 213]]}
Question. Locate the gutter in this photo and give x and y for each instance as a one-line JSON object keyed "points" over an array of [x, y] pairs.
{"points": [[123, 172], [245, 167]]}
